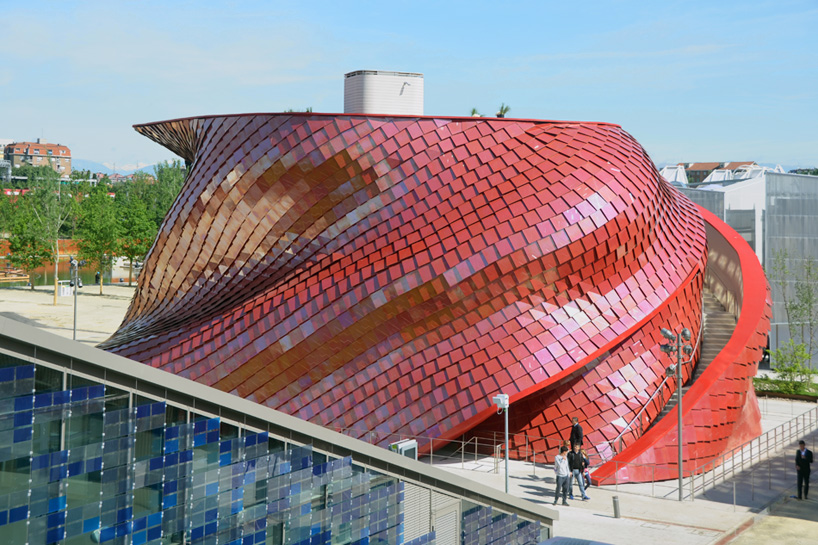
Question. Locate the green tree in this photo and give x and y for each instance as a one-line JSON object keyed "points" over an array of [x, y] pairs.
{"points": [[6, 211], [159, 196], [796, 278], [50, 207], [28, 247], [99, 230], [137, 229]]}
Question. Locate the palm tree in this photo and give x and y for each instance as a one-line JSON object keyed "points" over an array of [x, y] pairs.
{"points": [[504, 109], [475, 113]]}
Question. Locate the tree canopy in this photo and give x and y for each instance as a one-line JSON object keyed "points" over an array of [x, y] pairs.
{"points": [[99, 230]]}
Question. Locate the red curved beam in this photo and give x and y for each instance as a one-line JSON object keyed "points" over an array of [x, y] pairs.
{"points": [[720, 411]]}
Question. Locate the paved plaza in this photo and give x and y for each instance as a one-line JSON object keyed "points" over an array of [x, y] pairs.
{"points": [[762, 511], [98, 316]]}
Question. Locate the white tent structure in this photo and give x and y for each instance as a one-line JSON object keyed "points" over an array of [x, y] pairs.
{"points": [[675, 174]]}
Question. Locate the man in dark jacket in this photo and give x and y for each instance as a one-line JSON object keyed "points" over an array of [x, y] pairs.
{"points": [[576, 433], [576, 461], [803, 459]]}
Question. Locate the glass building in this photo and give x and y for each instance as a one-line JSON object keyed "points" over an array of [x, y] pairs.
{"points": [[100, 449]]}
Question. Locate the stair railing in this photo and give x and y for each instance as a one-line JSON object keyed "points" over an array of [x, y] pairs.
{"points": [[619, 438]]}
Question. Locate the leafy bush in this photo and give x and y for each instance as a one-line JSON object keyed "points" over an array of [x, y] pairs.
{"points": [[791, 362]]}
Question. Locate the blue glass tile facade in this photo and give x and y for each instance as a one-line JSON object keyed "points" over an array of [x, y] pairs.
{"points": [[85, 463]]}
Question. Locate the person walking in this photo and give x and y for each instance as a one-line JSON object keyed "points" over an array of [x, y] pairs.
{"points": [[577, 464], [803, 459], [576, 433], [585, 473], [563, 474]]}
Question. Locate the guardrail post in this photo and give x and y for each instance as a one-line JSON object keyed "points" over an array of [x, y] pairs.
{"points": [[692, 479]]}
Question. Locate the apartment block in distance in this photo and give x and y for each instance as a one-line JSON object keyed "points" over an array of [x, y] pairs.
{"points": [[39, 154]]}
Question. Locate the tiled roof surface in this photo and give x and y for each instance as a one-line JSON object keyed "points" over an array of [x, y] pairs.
{"points": [[704, 166], [33, 148], [735, 164]]}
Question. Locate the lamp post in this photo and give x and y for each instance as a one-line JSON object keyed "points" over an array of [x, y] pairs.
{"points": [[76, 284], [501, 400], [675, 346]]}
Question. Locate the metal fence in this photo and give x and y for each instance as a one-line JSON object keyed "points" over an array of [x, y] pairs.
{"points": [[485, 449], [735, 467]]}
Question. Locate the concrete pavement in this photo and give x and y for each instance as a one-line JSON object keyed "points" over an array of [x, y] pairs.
{"points": [[98, 316], [651, 513]]}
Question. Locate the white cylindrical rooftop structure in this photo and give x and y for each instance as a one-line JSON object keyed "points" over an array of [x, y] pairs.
{"points": [[383, 92]]}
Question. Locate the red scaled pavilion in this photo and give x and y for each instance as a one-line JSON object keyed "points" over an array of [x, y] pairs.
{"points": [[389, 275]]}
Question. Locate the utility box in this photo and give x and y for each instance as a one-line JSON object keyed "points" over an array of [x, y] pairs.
{"points": [[407, 447], [383, 92], [64, 288]]}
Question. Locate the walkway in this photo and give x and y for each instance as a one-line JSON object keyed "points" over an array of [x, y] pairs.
{"points": [[762, 502]]}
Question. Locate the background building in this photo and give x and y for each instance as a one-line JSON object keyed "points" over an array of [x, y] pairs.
{"points": [[39, 154], [383, 92], [697, 173], [772, 211]]}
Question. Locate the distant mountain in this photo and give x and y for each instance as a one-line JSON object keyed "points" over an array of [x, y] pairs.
{"points": [[93, 166]]}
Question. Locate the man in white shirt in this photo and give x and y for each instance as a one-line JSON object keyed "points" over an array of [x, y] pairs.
{"points": [[563, 473]]}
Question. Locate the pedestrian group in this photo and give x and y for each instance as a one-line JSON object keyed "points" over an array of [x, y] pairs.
{"points": [[570, 465]]}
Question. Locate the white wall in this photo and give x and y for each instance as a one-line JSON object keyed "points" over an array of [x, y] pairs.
{"points": [[381, 92]]}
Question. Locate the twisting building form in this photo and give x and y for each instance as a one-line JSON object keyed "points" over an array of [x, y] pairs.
{"points": [[388, 275]]}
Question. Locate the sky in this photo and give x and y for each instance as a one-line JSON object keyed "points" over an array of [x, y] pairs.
{"points": [[691, 81]]}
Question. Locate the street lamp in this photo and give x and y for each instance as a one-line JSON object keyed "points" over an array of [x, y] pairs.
{"points": [[675, 346], [501, 400], [75, 283]]}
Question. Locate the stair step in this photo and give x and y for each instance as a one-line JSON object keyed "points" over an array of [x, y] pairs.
{"points": [[716, 332]]}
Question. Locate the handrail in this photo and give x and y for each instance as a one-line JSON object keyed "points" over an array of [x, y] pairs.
{"points": [[618, 440], [782, 435], [751, 452]]}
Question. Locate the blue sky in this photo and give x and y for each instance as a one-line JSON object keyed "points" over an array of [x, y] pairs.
{"points": [[692, 81]]}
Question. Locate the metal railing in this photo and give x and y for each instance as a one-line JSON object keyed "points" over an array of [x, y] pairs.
{"points": [[660, 391], [731, 465], [480, 449]]}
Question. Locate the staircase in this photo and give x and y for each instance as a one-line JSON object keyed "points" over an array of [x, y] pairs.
{"points": [[718, 327]]}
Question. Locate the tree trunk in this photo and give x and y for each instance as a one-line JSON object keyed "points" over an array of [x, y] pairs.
{"points": [[56, 268], [100, 283], [130, 272]]}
